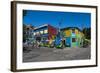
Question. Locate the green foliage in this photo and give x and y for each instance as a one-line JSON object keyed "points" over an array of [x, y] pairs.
{"points": [[86, 43], [25, 35], [24, 13], [87, 33]]}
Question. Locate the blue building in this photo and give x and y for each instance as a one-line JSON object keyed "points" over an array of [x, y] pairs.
{"points": [[45, 34]]}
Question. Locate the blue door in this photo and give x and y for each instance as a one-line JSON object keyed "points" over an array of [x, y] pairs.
{"points": [[68, 41]]}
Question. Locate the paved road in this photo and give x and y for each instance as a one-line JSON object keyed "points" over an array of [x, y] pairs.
{"points": [[53, 54]]}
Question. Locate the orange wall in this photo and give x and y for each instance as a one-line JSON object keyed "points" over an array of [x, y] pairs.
{"points": [[67, 33]]}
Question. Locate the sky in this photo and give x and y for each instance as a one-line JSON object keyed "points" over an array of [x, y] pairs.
{"points": [[57, 19]]}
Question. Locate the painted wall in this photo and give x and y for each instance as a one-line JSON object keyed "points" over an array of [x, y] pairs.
{"points": [[49, 32], [69, 36], [52, 32], [68, 41], [67, 33]]}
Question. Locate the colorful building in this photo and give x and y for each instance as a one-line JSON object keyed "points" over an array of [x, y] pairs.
{"points": [[45, 34], [48, 35], [72, 36]]}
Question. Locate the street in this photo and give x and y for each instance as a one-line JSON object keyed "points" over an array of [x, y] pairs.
{"points": [[54, 54]]}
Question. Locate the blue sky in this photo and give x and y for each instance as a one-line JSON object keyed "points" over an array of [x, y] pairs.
{"points": [[65, 19]]}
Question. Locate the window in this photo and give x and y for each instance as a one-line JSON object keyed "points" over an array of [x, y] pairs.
{"points": [[73, 39], [46, 31], [41, 32], [44, 38]]}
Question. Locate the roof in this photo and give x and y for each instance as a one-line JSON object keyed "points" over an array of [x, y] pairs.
{"points": [[42, 26], [67, 28]]}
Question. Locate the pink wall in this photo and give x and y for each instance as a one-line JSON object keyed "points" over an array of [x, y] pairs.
{"points": [[52, 31]]}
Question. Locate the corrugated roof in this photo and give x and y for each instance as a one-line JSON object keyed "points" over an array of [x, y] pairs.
{"points": [[71, 28]]}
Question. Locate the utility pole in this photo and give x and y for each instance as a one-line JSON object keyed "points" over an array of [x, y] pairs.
{"points": [[60, 25]]}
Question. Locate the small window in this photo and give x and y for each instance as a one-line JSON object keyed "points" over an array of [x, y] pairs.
{"points": [[73, 39], [45, 31], [44, 38], [41, 32]]}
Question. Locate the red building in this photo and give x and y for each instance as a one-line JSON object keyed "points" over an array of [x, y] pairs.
{"points": [[52, 32], [45, 33]]}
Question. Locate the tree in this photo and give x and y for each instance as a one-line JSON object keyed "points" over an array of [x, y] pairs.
{"points": [[27, 32], [24, 12], [24, 33], [87, 33]]}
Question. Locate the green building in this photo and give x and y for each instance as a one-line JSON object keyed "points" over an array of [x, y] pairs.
{"points": [[72, 36]]}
